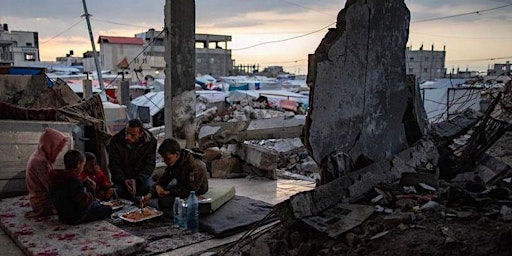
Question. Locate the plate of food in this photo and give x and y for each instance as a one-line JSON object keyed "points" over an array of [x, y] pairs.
{"points": [[117, 203], [138, 215]]}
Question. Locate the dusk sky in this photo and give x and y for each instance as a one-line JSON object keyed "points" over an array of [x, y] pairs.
{"points": [[476, 33]]}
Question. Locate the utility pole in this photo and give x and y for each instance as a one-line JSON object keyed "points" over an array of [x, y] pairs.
{"points": [[94, 53]]}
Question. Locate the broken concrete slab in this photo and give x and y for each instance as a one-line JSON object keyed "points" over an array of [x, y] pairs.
{"points": [[340, 218], [217, 134], [457, 125], [257, 156], [353, 185]]}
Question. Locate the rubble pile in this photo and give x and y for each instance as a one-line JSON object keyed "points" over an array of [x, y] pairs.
{"points": [[407, 205], [241, 110], [293, 160], [259, 134], [417, 215]]}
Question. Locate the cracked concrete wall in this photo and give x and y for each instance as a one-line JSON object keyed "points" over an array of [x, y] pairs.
{"points": [[358, 83]]}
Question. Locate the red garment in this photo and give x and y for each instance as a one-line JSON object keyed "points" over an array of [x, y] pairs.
{"points": [[51, 143], [102, 182]]}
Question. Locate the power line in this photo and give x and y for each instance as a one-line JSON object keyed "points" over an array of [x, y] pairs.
{"points": [[462, 14], [283, 40], [141, 52], [484, 59], [302, 6], [66, 30], [462, 37], [118, 23], [426, 20]]}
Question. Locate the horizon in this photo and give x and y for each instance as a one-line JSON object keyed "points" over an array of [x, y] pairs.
{"points": [[476, 34]]}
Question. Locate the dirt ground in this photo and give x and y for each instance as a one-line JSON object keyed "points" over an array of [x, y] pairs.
{"points": [[462, 223]]}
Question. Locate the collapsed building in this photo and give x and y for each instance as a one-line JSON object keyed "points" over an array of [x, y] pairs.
{"points": [[383, 171]]}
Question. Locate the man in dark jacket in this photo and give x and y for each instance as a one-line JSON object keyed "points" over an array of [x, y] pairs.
{"points": [[186, 167], [132, 157]]}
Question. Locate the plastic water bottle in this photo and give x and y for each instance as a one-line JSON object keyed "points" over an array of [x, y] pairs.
{"points": [[193, 212], [176, 212], [183, 214]]}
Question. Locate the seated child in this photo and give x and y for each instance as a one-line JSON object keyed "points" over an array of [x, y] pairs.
{"points": [[74, 202], [51, 144], [92, 173]]}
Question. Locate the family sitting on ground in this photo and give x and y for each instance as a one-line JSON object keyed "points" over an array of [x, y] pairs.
{"points": [[75, 193]]}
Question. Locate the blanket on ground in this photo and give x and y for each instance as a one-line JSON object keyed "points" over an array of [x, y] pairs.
{"points": [[238, 214], [47, 236]]}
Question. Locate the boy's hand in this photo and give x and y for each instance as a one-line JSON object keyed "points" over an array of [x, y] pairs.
{"points": [[90, 183], [161, 191]]}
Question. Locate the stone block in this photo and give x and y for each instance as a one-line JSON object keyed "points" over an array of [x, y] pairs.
{"points": [[259, 157], [222, 168], [211, 154]]}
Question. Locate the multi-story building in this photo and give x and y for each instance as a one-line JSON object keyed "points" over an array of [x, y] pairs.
{"points": [[117, 52], [500, 69], [425, 65], [212, 53], [18, 47]]}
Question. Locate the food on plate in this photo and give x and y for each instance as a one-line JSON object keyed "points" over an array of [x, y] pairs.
{"points": [[140, 214], [117, 203]]}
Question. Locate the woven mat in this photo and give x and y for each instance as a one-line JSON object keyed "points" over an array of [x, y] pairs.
{"points": [[160, 234]]}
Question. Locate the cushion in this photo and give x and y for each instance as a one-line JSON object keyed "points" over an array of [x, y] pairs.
{"points": [[215, 198], [237, 215]]}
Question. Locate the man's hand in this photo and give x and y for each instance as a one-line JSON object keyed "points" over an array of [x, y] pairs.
{"points": [[145, 200], [131, 186], [161, 191]]}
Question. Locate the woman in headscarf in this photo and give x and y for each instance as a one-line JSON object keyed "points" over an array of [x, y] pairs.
{"points": [[51, 143]]}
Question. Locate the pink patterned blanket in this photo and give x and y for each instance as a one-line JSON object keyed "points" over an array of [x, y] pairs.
{"points": [[47, 236]]}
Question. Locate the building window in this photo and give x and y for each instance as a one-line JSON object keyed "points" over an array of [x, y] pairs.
{"points": [[198, 60], [30, 57], [425, 70], [411, 70], [426, 58], [29, 44], [411, 58], [212, 61]]}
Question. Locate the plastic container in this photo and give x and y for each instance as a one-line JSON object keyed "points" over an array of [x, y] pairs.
{"points": [[183, 214], [176, 212], [193, 212]]}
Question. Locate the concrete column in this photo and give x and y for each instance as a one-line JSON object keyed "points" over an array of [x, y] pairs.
{"points": [[87, 88], [180, 60], [123, 93]]}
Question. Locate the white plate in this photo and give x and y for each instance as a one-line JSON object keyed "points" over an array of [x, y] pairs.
{"points": [[117, 203], [147, 208]]}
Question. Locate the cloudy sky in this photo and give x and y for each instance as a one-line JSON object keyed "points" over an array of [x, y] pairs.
{"points": [[476, 33]]}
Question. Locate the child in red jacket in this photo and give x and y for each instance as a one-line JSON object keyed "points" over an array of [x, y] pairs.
{"points": [[72, 198], [93, 174]]}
